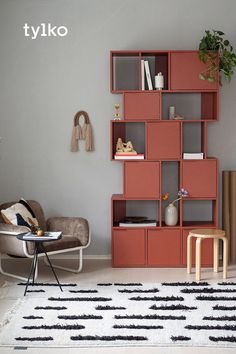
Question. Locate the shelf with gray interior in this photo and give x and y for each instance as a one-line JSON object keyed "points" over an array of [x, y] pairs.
{"points": [[170, 176], [199, 213], [193, 135], [191, 106], [125, 72]]}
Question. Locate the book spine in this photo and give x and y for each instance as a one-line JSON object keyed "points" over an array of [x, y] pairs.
{"points": [[147, 70], [142, 75]]}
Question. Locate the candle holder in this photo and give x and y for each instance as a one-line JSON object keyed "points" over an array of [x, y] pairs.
{"points": [[117, 113]]}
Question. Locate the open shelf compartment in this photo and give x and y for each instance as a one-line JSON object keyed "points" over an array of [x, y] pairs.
{"points": [[145, 208], [194, 138], [128, 131], [191, 105], [199, 213], [170, 179], [158, 62]]}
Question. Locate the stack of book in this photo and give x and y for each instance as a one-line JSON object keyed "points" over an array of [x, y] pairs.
{"points": [[137, 221], [193, 156], [125, 156]]}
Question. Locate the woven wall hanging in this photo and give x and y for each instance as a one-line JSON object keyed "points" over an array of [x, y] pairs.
{"points": [[81, 133]]}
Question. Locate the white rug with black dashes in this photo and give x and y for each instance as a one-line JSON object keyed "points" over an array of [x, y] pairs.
{"points": [[122, 314]]}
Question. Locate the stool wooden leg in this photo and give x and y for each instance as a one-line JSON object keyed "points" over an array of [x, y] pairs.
{"points": [[216, 255], [225, 257], [198, 259], [189, 254]]}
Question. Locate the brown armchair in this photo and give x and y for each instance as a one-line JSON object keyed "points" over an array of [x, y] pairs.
{"points": [[75, 231]]}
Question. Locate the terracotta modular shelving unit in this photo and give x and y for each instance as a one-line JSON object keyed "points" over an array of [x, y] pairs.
{"points": [[163, 142]]}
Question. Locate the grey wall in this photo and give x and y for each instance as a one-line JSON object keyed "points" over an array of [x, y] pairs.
{"points": [[45, 81]]}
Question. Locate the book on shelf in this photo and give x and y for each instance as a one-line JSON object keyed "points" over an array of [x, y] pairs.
{"points": [[148, 75], [152, 224], [137, 221], [129, 156], [193, 156], [142, 75], [47, 236]]}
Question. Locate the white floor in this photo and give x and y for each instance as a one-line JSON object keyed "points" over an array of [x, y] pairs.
{"points": [[101, 271]]}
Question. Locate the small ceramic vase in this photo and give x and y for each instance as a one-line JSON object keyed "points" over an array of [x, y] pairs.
{"points": [[171, 215], [159, 81]]}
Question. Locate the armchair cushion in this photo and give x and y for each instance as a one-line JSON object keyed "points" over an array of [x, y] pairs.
{"points": [[20, 214], [70, 226], [62, 244]]}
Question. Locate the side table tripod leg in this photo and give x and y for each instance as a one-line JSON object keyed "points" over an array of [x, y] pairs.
{"points": [[35, 264], [32, 271], [51, 267]]}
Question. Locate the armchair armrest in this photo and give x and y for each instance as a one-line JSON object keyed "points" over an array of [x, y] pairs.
{"points": [[9, 244], [73, 226], [13, 230]]}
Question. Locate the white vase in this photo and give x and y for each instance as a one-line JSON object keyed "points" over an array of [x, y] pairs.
{"points": [[171, 215]]}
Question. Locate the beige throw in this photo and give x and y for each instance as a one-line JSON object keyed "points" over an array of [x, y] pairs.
{"points": [[84, 133]]}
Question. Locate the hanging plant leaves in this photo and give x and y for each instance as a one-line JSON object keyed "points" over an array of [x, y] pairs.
{"points": [[217, 53]]}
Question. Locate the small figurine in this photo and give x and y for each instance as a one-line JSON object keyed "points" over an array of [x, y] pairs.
{"points": [[129, 148], [119, 145], [124, 148], [117, 114], [173, 115]]}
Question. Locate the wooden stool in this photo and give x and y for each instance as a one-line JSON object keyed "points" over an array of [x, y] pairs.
{"points": [[200, 234]]}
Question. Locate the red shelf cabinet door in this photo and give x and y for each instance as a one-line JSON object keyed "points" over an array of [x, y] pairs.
{"points": [[141, 180], [163, 140], [129, 247], [185, 70], [164, 247], [206, 250], [200, 178], [141, 106]]}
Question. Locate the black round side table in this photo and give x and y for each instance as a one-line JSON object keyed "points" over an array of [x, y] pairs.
{"points": [[39, 248]]}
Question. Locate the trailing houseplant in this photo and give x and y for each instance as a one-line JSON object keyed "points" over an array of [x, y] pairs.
{"points": [[217, 53]]}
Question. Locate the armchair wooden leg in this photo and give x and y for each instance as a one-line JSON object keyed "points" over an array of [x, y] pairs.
{"points": [[16, 276], [216, 255], [189, 254], [72, 270], [198, 259]]}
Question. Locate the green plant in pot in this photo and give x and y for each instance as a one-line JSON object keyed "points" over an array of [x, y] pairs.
{"points": [[217, 53]]}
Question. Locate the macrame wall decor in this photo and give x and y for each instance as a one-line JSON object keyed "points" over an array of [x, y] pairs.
{"points": [[81, 133]]}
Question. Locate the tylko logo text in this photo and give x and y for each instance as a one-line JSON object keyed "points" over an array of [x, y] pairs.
{"points": [[44, 30]]}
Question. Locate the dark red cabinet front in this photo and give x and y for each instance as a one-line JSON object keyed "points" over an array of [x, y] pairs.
{"points": [[144, 105], [142, 180], [163, 140], [185, 70], [200, 178], [129, 247], [164, 247]]}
